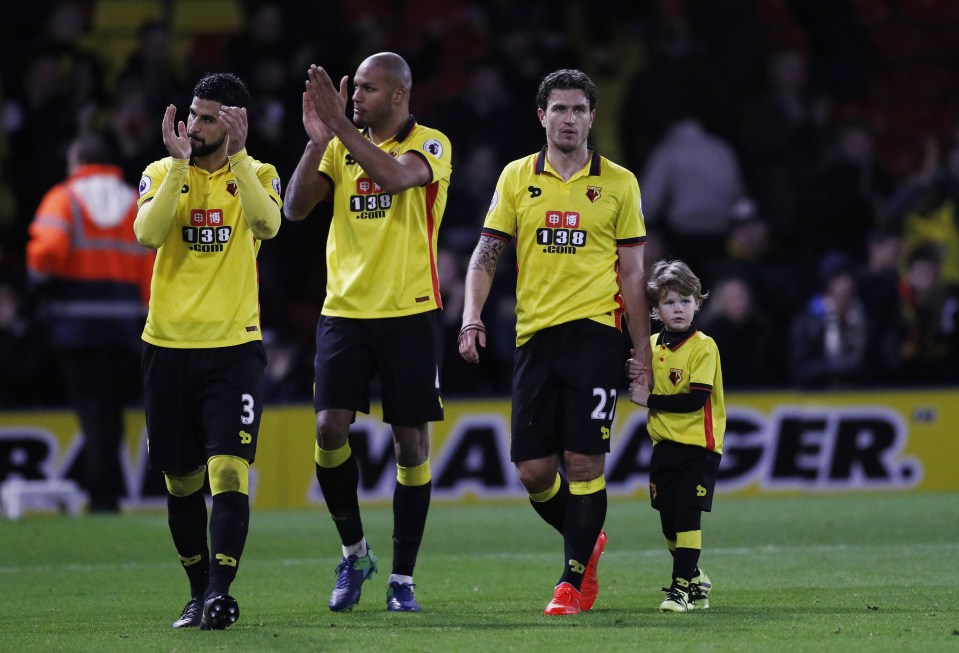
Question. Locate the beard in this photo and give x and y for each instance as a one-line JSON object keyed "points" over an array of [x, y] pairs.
{"points": [[204, 149], [371, 118], [566, 145]]}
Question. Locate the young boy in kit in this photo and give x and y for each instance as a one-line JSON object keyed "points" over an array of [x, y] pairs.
{"points": [[687, 419]]}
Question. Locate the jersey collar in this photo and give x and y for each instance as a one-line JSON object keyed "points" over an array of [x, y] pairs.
{"points": [[225, 168], [401, 135], [595, 163], [674, 340]]}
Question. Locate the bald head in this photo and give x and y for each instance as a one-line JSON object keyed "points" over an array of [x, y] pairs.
{"points": [[381, 99], [392, 67]]}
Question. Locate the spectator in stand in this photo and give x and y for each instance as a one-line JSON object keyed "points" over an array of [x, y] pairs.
{"points": [[781, 135], [929, 334], [839, 201], [878, 282], [926, 207], [690, 184], [827, 340], [750, 252], [744, 334]]}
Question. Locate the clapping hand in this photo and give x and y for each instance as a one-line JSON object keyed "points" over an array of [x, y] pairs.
{"points": [[237, 127], [329, 104], [177, 141]]}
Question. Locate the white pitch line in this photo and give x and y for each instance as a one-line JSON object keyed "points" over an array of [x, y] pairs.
{"points": [[768, 549]]}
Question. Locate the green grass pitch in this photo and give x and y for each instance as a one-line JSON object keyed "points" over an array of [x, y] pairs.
{"points": [[865, 572]]}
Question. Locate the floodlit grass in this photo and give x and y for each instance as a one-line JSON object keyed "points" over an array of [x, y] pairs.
{"points": [[821, 573]]}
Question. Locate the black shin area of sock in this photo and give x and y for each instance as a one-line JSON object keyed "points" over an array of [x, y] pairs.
{"points": [[684, 563], [229, 524], [553, 510], [339, 486], [187, 519], [411, 503], [685, 560], [585, 516]]}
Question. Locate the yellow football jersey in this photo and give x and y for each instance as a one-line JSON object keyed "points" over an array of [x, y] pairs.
{"points": [[205, 287], [690, 364], [381, 248], [567, 234]]}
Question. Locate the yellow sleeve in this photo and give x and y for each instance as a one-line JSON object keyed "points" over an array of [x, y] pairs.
{"points": [[261, 213], [155, 216]]}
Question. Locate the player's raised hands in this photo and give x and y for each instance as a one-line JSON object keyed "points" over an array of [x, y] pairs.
{"points": [[176, 140], [237, 127], [329, 104], [318, 131]]}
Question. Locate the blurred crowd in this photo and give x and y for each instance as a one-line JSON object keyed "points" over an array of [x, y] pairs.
{"points": [[830, 250]]}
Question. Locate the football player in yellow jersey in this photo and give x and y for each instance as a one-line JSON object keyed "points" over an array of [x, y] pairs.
{"points": [[205, 209], [576, 220], [388, 181], [687, 421]]}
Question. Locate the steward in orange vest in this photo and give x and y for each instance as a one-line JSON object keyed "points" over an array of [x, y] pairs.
{"points": [[92, 275], [90, 280]]}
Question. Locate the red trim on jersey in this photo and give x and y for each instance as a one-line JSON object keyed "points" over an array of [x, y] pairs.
{"points": [[681, 342], [708, 426], [431, 192], [620, 309], [499, 235]]}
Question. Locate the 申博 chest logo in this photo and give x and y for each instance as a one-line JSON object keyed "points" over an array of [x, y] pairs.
{"points": [[562, 233], [206, 231]]}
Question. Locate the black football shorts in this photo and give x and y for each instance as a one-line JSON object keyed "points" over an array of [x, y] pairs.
{"points": [[202, 403], [405, 354], [682, 475], [566, 381]]}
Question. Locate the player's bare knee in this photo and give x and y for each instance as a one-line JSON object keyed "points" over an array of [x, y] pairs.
{"points": [[229, 474], [333, 428], [537, 476], [583, 467], [411, 444]]}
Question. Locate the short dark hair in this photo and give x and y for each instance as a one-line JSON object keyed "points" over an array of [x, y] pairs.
{"points": [[567, 78], [93, 148], [225, 88]]}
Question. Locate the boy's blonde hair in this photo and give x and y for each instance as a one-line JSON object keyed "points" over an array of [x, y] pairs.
{"points": [[675, 275]]}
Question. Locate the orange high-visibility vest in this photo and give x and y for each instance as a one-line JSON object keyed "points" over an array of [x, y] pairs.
{"points": [[94, 274]]}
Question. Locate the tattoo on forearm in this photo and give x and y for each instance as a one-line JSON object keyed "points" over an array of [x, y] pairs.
{"points": [[486, 255]]}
